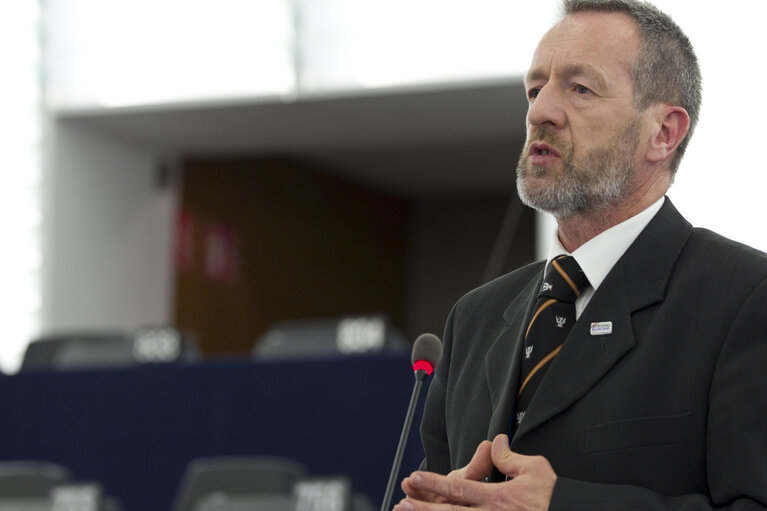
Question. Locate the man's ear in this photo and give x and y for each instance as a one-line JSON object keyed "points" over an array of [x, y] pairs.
{"points": [[670, 126]]}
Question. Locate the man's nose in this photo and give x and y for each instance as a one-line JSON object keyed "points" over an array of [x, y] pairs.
{"points": [[546, 109]]}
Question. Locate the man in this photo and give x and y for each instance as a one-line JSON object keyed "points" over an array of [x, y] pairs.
{"points": [[655, 399]]}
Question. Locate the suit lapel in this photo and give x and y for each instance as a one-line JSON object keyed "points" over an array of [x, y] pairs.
{"points": [[636, 281], [502, 361], [584, 358]]}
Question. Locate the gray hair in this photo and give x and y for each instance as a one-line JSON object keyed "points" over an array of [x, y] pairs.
{"points": [[666, 69]]}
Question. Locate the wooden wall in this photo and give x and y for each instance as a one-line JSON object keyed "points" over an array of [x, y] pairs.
{"points": [[262, 240]]}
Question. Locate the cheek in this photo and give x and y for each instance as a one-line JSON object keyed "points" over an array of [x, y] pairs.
{"points": [[594, 134]]}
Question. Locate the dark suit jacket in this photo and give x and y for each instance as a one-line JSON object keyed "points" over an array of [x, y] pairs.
{"points": [[667, 412]]}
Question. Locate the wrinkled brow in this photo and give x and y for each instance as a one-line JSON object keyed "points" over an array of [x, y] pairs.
{"points": [[568, 71]]}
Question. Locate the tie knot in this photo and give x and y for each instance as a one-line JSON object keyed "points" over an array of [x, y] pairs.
{"points": [[564, 279]]}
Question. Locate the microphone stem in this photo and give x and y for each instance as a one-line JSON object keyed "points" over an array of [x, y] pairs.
{"points": [[420, 376]]}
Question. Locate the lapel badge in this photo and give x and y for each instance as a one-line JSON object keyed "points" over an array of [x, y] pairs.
{"points": [[602, 328]]}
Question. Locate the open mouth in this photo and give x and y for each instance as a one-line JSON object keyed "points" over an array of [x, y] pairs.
{"points": [[541, 149]]}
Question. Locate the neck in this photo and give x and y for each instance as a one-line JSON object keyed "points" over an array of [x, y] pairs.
{"points": [[577, 229], [650, 184]]}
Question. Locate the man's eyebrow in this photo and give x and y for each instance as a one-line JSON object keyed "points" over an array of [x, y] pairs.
{"points": [[534, 75], [568, 71]]}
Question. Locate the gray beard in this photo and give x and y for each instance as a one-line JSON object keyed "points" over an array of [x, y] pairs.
{"points": [[600, 180]]}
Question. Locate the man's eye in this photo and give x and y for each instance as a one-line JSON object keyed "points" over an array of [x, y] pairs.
{"points": [[581, 89], [533, 93]]}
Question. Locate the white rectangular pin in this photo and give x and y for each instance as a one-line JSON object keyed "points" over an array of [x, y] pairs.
{"points": [[602, 328]]}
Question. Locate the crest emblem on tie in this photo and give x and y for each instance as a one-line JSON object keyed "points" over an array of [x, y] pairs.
{"points": [[520, 416], [546, 287], [528, 351], [561, 320]]}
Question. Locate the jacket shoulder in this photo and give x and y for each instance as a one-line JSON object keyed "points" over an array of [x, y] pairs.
{"points": [[718, 255], [500, 292]]}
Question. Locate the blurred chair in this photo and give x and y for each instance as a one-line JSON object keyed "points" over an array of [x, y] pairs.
{"points": [[309, 338], [30, 504], [27, 485], [108, 349], [361, 502], [78, 350], [219, 502], [233, 476], [82, 496], [45, 504], [31, 486], [30, 479]]}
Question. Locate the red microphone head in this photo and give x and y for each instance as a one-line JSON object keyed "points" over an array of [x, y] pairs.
{"points": [[427, 350], [423, 365]]}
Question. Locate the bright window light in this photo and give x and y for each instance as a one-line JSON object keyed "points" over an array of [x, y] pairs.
{"points": [[139, 52], [20, 183], [120, 53], [378, 43]]}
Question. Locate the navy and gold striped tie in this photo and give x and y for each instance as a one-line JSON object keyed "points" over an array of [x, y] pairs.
{"points": [[553, 317]]}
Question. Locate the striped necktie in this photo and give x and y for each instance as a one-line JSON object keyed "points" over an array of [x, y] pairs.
{"points": [[553, 317]]}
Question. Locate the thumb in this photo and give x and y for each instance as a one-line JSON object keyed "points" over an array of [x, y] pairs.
{"points": [[503, 458]]}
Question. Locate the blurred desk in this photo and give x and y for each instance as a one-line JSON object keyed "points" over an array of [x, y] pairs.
{"points": [[134, 430]]}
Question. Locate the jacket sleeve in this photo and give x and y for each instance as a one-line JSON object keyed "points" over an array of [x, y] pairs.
{"points": [[433, 426]]}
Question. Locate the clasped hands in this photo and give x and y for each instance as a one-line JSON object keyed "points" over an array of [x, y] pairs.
{"points": [[529, 488]]}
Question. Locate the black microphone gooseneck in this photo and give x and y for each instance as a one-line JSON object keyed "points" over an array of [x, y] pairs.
{"points": [[427, 350]]}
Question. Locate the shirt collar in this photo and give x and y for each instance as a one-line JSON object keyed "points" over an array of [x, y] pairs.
{"points": [[597, 256]]}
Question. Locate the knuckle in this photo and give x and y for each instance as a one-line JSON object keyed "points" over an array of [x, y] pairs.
{"points": [[501, 499], [456, 473], [455, 488]]}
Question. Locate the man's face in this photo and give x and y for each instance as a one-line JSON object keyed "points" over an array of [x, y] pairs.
{"points": [[583, 133]]}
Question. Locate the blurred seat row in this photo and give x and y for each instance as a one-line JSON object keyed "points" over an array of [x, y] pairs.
{"points": [[43, 486], [208, 484], [307, 338], [76, 350]]}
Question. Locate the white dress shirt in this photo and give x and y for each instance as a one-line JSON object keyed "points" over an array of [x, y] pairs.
{"points": [[597, 256]]}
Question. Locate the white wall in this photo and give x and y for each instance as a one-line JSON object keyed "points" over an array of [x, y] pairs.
{"points": [[20, 180], [108, 233], [721, 180]]}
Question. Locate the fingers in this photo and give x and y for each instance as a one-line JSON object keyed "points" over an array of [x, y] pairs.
{"points": [[414, 493], [532, 482], [476, 470], [480, 465], [411, 505], [460, 486], [455, 490]]}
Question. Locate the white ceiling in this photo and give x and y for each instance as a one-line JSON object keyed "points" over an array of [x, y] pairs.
{"points": [[416, 141]]}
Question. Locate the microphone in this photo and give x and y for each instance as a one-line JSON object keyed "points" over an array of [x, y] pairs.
{"points": [[427, 349]]}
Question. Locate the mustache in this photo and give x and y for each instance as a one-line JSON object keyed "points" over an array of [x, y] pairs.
{"points": [[550, 138], [544, 135]]}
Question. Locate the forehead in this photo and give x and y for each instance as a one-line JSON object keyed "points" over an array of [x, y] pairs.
{"points": [[606, 42]]}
